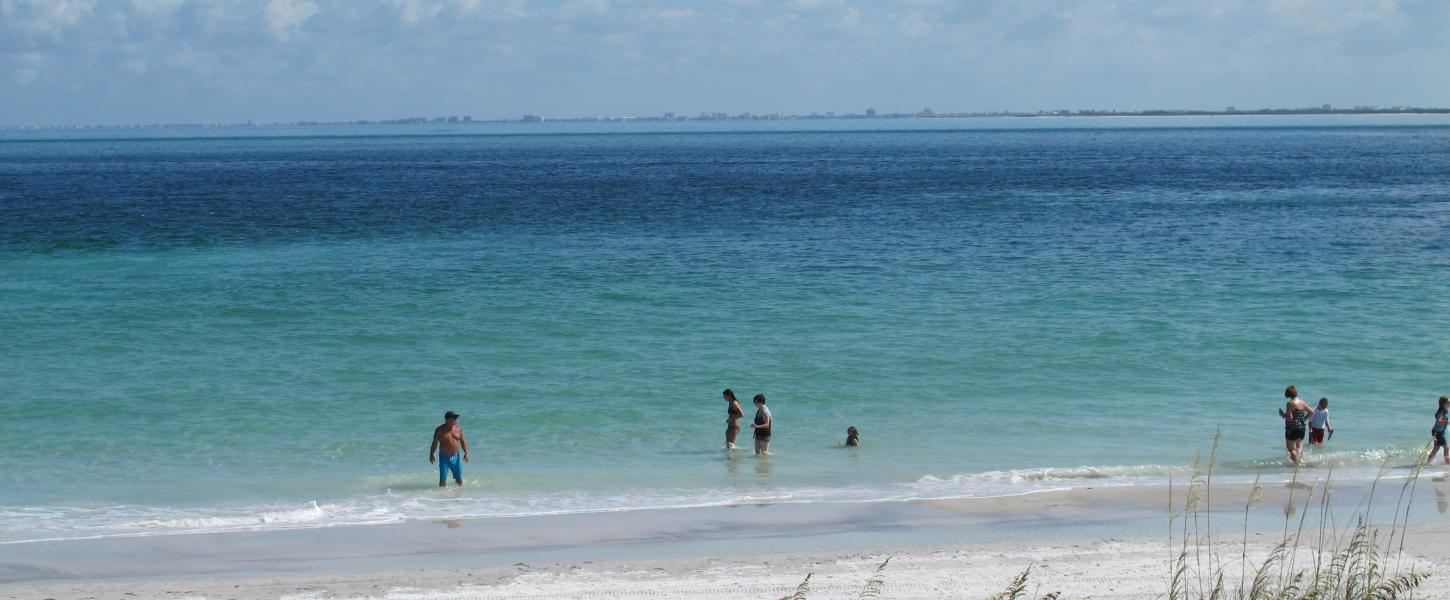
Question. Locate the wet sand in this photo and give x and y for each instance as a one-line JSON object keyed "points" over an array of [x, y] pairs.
{"points": [[1103, 542]]}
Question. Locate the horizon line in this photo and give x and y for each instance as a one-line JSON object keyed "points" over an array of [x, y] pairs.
{"points": [[926, 113]]}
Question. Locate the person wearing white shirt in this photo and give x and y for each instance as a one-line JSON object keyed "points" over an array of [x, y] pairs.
{"points": [[1319, 423]]}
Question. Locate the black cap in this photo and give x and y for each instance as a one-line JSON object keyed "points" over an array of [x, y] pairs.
{"points": [[450, 415]]}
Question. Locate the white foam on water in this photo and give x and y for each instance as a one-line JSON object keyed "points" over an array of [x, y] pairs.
{"points": [[30, 524]]}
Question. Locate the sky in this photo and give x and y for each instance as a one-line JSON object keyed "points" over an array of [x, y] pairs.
{"points": [[78, 62]]}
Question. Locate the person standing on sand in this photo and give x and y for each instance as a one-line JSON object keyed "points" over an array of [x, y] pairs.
{"points": [[1437, 433], [1319, 423], [1296, 415], [761, 425], [733, 414], [447, 441]]}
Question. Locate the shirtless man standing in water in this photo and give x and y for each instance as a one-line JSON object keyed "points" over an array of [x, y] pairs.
{"points": [[447, 440]]}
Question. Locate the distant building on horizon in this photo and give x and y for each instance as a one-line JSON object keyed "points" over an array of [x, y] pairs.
{"points": [[532, 119]]}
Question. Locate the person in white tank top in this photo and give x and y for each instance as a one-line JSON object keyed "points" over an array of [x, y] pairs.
{"points": [[1319, 424]]}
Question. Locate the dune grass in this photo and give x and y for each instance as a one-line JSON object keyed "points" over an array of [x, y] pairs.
{"points": [[871, 590], [1357, 562]]}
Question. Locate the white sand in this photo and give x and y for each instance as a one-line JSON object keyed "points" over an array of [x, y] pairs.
{"points": [[1106, 569], [688, 554]]}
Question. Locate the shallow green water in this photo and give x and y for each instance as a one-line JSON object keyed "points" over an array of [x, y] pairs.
{"points": [[263, 331]]}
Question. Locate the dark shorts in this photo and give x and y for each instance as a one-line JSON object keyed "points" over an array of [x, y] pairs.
{"points": [[1316, 436], [1439, 437], [1294, 433]]}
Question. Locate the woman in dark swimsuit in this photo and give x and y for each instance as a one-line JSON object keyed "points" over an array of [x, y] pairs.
{"points": [[732, 419], [1437, 433], [1296, 415]]}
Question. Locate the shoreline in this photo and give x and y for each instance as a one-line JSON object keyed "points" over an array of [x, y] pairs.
{"points": [[416, 502], [1116, 536]]}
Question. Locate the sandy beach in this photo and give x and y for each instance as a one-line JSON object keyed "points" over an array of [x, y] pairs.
{"points": [[1098, 542]]}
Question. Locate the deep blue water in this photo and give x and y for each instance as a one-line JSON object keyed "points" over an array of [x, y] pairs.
{"points": [[222, 330]]}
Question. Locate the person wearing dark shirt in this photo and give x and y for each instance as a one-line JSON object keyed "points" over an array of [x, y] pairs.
{"points": [[1437, 433], [761, 425], [1296, 415]]}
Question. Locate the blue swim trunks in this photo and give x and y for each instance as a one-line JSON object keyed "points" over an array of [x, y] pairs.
{"points": [[450, 462]]}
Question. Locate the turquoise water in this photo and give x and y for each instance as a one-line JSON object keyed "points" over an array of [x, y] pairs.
{"points": [[260, 330]]}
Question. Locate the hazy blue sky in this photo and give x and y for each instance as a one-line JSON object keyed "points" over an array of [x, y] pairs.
{"points": [[128, 61]]}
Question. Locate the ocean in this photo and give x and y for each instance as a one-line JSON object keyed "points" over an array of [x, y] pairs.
{"points": [[213, 329]]}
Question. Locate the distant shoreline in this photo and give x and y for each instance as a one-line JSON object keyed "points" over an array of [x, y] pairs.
{"points": [[672, 118]]}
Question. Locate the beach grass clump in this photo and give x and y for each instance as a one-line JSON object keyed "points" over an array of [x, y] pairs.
{"points": [[1017, 590], [1368, 563], [876, 583], [1359, 570], [801, 591]]}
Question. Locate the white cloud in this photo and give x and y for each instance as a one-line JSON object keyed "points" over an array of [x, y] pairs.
{"points": [[851, 20], [489, 9], [914, 25], [29, 69], [583, 8], [187, 58], [156, 9], [135, 59], [1331, 17], [468, 7], [813, 4], [45, 17], [284, 17], [392, 57], [673, 14], [414, 12]]}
